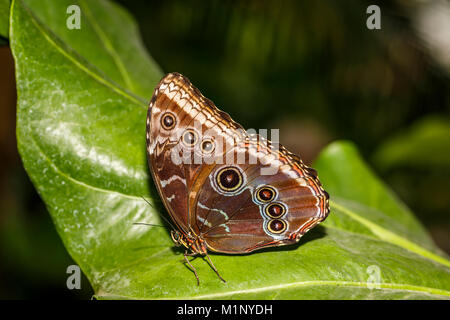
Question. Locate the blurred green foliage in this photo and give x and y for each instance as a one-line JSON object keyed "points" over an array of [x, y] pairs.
{"points": [[423, 145], [4, 15], [416, 160], [33, 259]]}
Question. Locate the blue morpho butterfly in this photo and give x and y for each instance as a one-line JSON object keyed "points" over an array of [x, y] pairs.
{"points": [[218, 205]]}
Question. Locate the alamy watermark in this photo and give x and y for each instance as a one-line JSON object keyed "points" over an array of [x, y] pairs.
{"points": [[74, 20], [374, 20], [74, 279], [374, 279], [221, 145]]}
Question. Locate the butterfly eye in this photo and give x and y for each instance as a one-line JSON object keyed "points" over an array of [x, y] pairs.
{"points": [[168, 121], [229, 179], [189, 138], [275, 210], [277, 226], [175, 236], [265, 194], [208, 146]]}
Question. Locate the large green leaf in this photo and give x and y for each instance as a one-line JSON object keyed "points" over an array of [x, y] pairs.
{"points": [[81, 124]]}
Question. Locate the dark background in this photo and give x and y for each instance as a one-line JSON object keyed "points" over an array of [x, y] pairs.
{"points": [[311, 69]]}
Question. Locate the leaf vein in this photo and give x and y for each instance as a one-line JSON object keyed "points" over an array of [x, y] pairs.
{"points": [[108, 47], [139, 101], [391, 237]]}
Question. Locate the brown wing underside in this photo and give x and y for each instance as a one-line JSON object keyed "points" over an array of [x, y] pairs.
{"points": [[228, 223], [176, 95], [239, 223]]}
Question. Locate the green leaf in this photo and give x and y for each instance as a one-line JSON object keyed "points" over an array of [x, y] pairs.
{"points": [[424, 145], [4, 19], [82, 98]]}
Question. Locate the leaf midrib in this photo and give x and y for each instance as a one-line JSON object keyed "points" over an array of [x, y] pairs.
{"points": [[167, 262], [108, 47], [349, 284], [387, 286], [391, 237], [108, 83]]}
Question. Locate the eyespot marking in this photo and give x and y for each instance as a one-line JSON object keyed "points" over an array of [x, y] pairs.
{"points": [[168, 121], [277, 226], [208, 146], [275, 210], [189, 138], [229, 179], [265, 194]]}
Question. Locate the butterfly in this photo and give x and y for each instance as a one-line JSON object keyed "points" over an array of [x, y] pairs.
{"points": [[225, 189]]}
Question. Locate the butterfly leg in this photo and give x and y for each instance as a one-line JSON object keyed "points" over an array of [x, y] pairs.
{"points": [[186, 254], [214, 268]]}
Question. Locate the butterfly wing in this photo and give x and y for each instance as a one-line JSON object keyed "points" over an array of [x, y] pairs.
{"points": [[180, 122], [267, 209], [208, 172]]}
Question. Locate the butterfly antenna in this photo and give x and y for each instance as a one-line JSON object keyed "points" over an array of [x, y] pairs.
{"points": [[162, 216], [148, 224], [148, 202]]}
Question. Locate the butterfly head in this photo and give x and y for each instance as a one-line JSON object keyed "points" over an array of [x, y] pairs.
{"points": [[178, 238], [193, 243]]}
